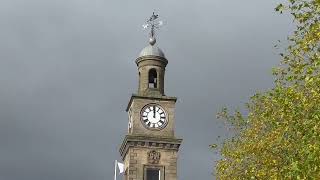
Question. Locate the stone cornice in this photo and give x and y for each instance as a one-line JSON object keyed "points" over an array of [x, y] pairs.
{"points": [[153, 58], [148, 142], [164, 98]]}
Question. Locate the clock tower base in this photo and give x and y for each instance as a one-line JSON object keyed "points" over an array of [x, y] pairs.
{"points": [[147, 156]]}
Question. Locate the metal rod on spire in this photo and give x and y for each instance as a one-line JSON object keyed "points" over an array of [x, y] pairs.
{"points": [[153, 24]]}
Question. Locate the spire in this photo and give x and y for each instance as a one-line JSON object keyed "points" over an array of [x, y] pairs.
{"points": [[152, 50], [151, 63], [153, 24]]}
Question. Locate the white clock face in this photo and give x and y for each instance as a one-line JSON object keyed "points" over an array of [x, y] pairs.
{"points": [[153, 116]]}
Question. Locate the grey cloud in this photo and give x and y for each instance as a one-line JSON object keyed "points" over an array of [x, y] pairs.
{"points": [[67, 71]]}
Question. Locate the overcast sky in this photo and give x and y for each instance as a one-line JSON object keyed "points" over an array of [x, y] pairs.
{"points": [[67, 72]]}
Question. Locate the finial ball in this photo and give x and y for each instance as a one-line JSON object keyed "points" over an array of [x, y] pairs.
{"points": [[152, 41]]}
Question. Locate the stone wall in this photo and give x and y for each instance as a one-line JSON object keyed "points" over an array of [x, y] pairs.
{"points": [[136, 162]]}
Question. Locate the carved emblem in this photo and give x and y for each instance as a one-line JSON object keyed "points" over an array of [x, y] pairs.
{"points": [[154, 157]]}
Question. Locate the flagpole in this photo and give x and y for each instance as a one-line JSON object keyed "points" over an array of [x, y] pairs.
{"points": [[115, 170]]}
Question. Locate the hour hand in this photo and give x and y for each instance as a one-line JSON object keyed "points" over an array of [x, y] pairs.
{"points": [[154, 112]]}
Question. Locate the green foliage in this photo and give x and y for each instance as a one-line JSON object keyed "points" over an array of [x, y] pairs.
{"points": [[280, 137]]}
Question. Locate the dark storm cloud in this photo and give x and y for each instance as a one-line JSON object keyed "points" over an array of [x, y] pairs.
{"points": [[67, 71]]}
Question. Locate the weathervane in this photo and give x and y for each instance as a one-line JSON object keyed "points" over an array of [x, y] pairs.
{"points": [[153, 24]]}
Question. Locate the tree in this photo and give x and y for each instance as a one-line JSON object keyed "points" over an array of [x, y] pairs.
{"points": [[280, 136]]}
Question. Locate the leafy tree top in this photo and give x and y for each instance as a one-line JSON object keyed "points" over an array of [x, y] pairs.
{"points": [[280, 137]]}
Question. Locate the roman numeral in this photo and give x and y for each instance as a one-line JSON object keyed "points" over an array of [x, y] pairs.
{"points": [[154, 125]]}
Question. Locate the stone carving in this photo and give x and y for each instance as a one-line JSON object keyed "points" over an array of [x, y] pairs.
{"points": [[154, 157]]}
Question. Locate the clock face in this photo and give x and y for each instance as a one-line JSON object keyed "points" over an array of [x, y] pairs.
{"points": [[153, 117]]}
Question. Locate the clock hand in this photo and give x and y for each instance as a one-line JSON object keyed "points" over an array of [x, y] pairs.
{"points": [[154, 112]]}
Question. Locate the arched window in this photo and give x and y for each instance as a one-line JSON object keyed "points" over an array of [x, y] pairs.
{"points": [[152, 78]]}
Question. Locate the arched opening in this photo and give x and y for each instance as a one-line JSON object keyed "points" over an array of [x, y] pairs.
{"points": [[152, 78], [139, 79]]}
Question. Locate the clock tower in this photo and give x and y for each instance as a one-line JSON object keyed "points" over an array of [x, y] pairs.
{"points": [[150, 149]]}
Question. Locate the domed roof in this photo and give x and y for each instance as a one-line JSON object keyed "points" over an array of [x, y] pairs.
{"points": [[152, 50]]}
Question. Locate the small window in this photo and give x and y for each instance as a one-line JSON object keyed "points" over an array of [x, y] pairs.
{"points": [[152, 78], [153, 174]]}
